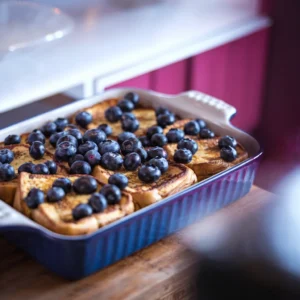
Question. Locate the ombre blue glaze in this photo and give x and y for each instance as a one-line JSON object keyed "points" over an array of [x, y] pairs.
{"points": [[76, 257]]}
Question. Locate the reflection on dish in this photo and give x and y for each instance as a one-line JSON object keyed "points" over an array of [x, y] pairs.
{"points": [[27, 24]]}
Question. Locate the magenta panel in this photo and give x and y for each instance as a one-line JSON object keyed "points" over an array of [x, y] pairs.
{"points": [[235, 73], [171, 79], [142, 82]]}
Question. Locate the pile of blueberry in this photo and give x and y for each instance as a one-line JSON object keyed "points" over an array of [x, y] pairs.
{"points": [[123, 112], [187, 147], [109, 194], [228, 144], [7, 172]]}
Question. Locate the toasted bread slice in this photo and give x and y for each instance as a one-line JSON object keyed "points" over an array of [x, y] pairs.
{"points": [[21, 152], [58, 216], [146, 117], [206, 161], [24, 141], [177, 178]]}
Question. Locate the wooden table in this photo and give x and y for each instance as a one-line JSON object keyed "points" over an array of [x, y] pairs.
{"points": [[161, 271]]}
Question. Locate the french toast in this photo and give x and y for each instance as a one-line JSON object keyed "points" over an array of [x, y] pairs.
{"points": [[177, 178], [145, 116], [206, 161], [21, 156], [58, 216], [24, 141]]}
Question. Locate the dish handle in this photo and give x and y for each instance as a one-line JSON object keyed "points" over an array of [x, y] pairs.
{"points": [[215, 108], [9, 217]]}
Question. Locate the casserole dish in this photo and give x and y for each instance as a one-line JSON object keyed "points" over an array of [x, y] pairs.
{"points": [[74, 257]]}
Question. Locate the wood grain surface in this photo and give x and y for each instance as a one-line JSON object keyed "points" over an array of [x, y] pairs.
{"points": [[161, 271]]}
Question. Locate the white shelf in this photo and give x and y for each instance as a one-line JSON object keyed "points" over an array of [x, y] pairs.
{"points": [[109, 45]]}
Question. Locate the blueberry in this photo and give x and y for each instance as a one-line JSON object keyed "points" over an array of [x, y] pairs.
{"points": [[118, 179], [106, 128], [94, 135], [109, 146], [133, 97], [35, 136], [55, 137], [132, 161], [83, 119], [175, 135], [92, 157], [55, 194], [87, 146], [26, 167], [158, 139], [227, 141], [49, 128], [67, 138], [206, 133], [142, 153], [80, 167], [125, 136], [111, 193], [130, 145], [82, 210], [34, 198], [85, 185], [149, 173], [188, 144], [160, 163], [61, 123], [12, 139], [113, 114], [37, 131], [7, 172], [65, 151], [126, 105], [157, 152], [183, 156], [111, 161], [145, 141], [161, 110], [98, 203], [228, 153], [191, 128], [76, 133], [6, 156], [37, 150], [129, 122], [51, 166], [77, 157], [152, 130], [40, 169], [164, 120], [64, 183], [201, 123]]}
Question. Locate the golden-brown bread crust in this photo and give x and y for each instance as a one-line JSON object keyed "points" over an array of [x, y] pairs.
{"points": [[21, 155], [58, 216], [8, 190], [177, 178], [206, 161], [146, 117], [24, 141]]}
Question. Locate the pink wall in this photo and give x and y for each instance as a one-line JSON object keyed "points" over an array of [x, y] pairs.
{"points": [[234, 72], [142, 82]]}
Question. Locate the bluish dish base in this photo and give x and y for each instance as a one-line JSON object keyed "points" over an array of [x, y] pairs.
{"points": [[76, 258]]}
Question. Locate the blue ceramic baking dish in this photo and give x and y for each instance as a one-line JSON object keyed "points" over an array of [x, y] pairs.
{"points": [[76, 257]]}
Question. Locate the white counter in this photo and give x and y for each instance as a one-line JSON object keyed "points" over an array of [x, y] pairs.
{"points": [[109, 45]]}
